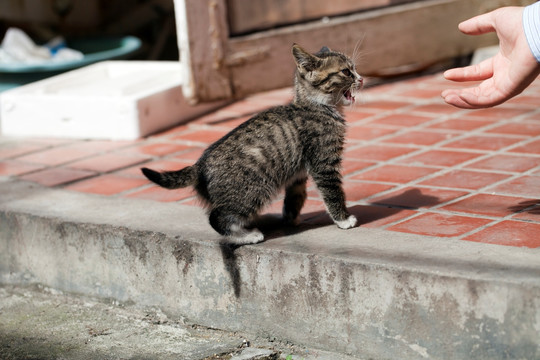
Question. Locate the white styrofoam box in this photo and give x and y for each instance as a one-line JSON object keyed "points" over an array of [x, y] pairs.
{"points": [[117, 100]]}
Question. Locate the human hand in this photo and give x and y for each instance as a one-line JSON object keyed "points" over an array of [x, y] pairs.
{"points": [[503, 76]]}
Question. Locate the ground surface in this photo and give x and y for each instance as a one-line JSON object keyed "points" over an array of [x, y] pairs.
{"points": [[37, 322]]}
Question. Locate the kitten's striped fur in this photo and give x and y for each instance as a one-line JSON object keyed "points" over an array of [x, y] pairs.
{"points": [[278, 148]]}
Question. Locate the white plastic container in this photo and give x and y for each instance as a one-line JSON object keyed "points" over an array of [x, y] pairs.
{"points": [[117, 100]]}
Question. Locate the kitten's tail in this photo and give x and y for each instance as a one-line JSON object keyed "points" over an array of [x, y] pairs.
{"points": [[172, 179]]}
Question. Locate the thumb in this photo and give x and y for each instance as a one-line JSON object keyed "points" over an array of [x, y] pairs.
{"points": [[478, 25]]}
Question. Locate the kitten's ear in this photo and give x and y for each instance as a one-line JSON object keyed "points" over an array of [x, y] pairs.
{"points": [[305, 61], [324, 49]]}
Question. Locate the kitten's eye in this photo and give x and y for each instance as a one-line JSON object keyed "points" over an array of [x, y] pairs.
{"points": [[346, 72]]}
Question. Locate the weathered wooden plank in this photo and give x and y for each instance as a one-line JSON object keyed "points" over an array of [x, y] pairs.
{"points": [[246, 16], [413, 35], [202, 38]]}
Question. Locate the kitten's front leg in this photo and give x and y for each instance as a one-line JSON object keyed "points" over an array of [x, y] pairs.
{"points": [[329, 185]]}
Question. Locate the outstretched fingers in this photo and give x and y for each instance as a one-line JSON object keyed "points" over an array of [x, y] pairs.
{"points": [[477, 72]]}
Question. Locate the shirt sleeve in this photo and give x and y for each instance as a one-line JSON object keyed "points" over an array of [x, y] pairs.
{"points": [[531, 26]]}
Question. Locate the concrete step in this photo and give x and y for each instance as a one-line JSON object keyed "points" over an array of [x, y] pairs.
{"points": [[363, 292]]}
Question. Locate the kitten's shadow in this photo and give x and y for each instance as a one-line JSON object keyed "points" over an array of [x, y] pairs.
{"points": [[230, 260], [273, 227]]}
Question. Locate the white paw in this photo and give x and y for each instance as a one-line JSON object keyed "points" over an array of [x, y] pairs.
{"points": [[350, 222], [247, 237]]}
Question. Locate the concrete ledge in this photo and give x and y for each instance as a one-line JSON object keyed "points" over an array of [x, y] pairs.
{"points": [[363, 292]]}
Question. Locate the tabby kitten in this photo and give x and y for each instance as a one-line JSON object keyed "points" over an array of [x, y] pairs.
{"points": [[278, 148]]}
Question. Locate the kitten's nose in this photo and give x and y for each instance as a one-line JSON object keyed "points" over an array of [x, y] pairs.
{"points": [[360, 81]]}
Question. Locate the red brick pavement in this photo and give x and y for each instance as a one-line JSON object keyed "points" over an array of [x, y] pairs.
{"points": [[412, 163]]}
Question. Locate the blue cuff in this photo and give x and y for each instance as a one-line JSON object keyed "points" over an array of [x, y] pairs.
{"points": [[531, 26]]}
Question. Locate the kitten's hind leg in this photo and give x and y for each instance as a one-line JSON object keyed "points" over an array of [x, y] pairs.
{"points": [[242, 236], [233, 226], [295, 196]]}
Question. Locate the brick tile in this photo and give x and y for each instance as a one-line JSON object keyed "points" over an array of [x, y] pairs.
{"points": [[523, 129], [107, 184], [509, 233], [108, 162], [192, 202], [204, 136], [497, 113], [158, 149], [460, 124], [56, 156], [50, 142], [530, 148], [528, 210], [377, 152], [384, 105], [356, 191], [439, 158], [421, 93], [234, 122], [311, 208], [12, 168], [159, 165], [367, 132], [374, 88], [157, 193], [528, 186], [192, 155], [487, 204], [510, 163], [418, 197], [530, 100], [464, 179], [175, 130], [98, 146], [368, 216], [440, 225], [352, 115], [394, 174], [273, 97], [536, 173], [404, 120], [479, 142], [248, 106], [419, 138], [349, 166], [533, 117], [436, 109], [15, 149], [57, 176], [441, 83]]}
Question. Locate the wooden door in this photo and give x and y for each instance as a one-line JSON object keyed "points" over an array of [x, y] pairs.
{"points": [[232, 48]]}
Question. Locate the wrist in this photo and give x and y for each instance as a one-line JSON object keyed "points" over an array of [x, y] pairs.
{"points": [[531, 27]]}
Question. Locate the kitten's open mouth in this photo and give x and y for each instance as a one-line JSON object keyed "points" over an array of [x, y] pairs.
{"points": [[349, 96]]}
